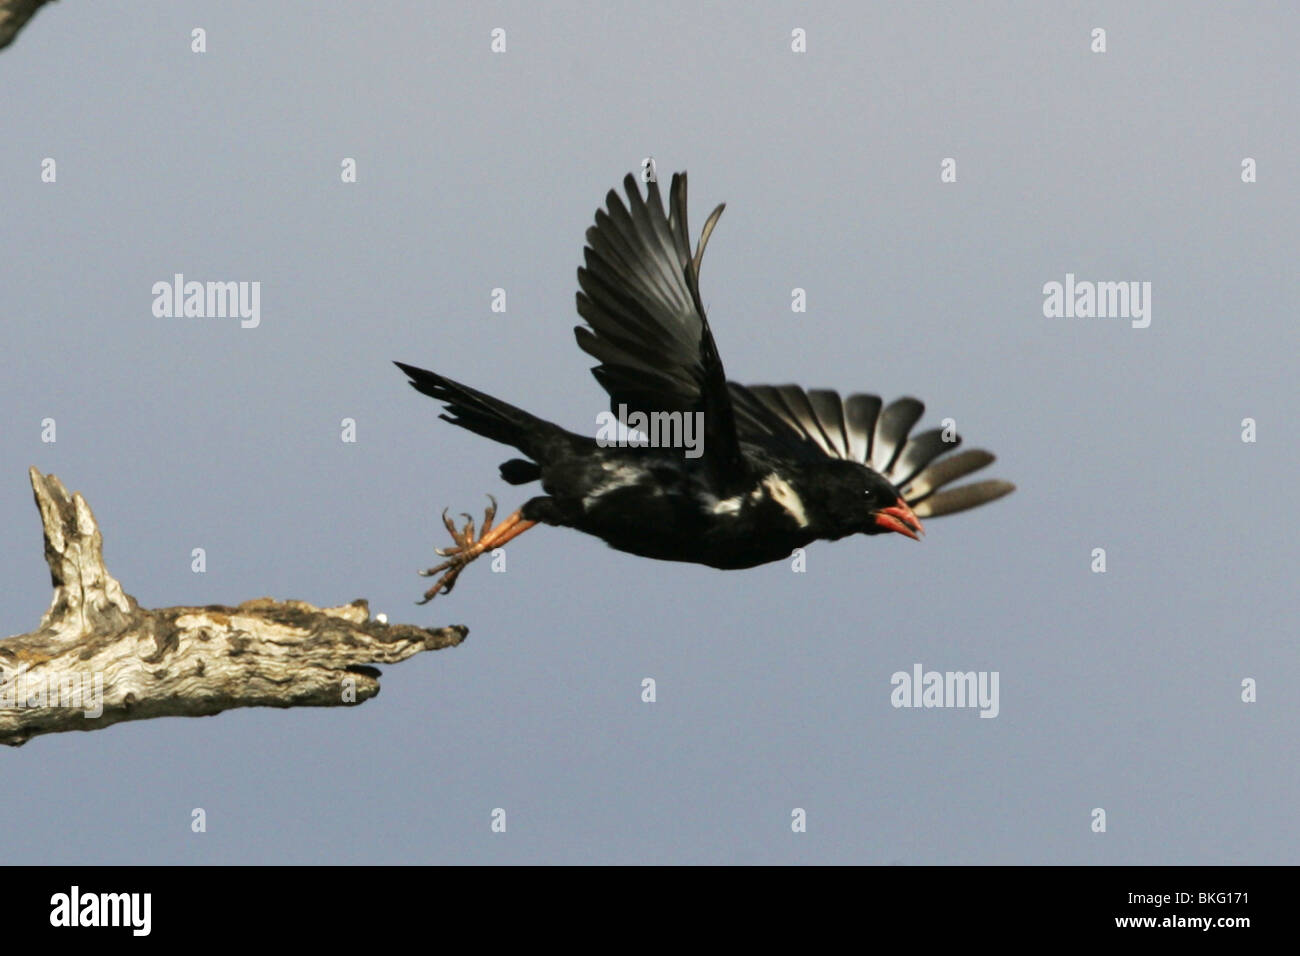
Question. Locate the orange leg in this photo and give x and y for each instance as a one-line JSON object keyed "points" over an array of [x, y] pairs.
{"points": [[467, 547]]}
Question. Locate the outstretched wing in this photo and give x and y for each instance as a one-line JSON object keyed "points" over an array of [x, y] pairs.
{"points": [[819, 424], [640, 297]]}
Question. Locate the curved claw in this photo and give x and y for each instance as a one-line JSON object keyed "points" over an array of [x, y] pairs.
{"points": [[445, 583], [437, 589], [466, 548]]}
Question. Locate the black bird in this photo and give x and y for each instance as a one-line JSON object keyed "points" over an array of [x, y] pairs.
{"points": [[777, 468]]}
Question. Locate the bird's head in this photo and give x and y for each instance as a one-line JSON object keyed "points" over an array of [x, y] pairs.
{"points": [[879, 508], [859, 500], [887, 511]]}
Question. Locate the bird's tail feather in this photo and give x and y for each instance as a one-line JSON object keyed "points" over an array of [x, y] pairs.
{"points": [[480, 413]]}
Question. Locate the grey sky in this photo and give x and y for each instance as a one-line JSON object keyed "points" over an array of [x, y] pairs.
{"points": [[1118, 690]]}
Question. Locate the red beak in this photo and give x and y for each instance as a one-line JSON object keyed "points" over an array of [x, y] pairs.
{"points": [[900, 518]]}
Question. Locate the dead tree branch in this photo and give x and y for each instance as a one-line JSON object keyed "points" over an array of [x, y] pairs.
{"points": [[99, 658]]}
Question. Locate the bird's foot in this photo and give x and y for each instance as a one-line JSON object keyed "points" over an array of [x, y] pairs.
{"points": [[465, 538], [467, 547]]}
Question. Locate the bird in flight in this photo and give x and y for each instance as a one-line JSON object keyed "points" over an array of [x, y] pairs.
{"points": [[772, 467]]}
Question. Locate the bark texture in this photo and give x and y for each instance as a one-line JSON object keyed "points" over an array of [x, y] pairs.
{"points": [[99, 658]]}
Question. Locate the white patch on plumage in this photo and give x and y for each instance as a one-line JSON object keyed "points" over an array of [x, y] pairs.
{"points": [[723, 506], [786, 497], [621, 476], [728, 506]]}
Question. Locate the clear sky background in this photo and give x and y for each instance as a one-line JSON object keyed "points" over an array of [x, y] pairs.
{"points": [[478, 170]]}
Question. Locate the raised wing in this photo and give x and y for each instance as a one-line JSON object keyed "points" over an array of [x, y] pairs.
{"points": [[640, 297], [819, 424]]}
